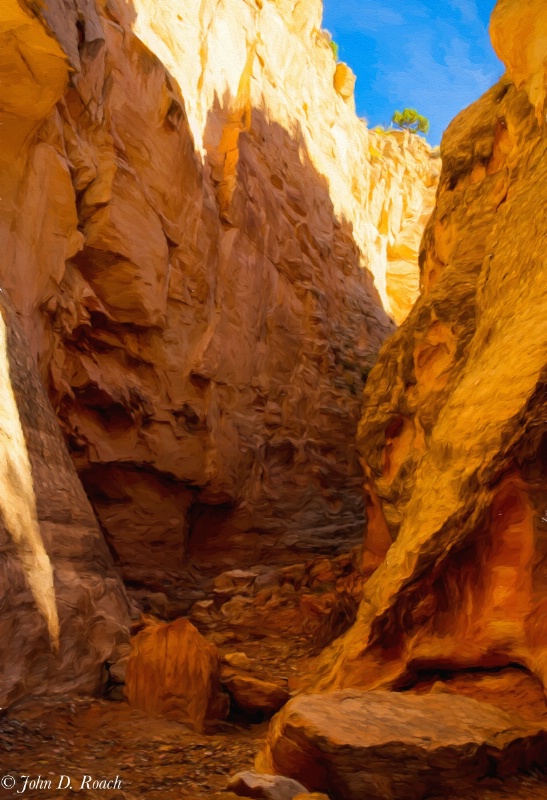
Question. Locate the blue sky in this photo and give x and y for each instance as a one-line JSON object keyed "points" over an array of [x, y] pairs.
{"points": [[432, 55]]}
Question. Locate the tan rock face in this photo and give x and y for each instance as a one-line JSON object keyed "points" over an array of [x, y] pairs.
{"points": [[202, 275], [173, 672], [454, 434], [64, 611]]}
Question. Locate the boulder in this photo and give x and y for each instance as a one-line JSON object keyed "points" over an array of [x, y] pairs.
{"points": [[173, 672], [265, 787], [344, 81], [393, 746], [253, 694], [235, 582]]}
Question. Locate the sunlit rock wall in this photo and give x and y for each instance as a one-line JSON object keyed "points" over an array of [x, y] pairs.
{"points": [[274, 56], [453, 436], [197, 233]]}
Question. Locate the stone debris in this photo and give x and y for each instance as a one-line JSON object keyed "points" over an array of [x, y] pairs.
{"points": [[265, 787], [238, 660]]}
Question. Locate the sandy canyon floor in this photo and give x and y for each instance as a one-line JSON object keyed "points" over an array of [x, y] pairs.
{"points": [[158, 759]]}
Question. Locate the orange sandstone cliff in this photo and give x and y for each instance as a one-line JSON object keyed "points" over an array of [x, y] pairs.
{"points": [[200, 258], [205, 249], [453, 437]]}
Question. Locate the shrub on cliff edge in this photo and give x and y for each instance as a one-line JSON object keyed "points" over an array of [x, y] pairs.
{"points": [[409, 119]]}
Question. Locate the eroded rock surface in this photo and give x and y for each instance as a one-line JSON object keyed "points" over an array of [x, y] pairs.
{"points": [[204, 278], [454, 434], [281, 60]]}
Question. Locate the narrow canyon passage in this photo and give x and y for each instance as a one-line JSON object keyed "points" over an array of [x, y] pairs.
{"points": [[273, 468]]}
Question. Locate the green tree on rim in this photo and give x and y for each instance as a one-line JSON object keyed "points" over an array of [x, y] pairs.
{"points": [[410, 120]]}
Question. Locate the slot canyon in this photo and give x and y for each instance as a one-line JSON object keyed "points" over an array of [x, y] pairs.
{"points": [[273, 431]]}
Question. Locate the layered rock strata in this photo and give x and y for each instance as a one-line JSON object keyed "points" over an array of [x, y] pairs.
{"points": [[454, 435], [196, 236]]}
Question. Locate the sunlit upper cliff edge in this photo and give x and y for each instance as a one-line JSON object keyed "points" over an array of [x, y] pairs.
{"points": [[453, 437], [276, 57]]}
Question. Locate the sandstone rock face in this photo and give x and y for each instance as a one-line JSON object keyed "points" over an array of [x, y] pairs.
{"points": [[454, 435], [389, 746], [173, 672], [202, 274], [64, 611]]}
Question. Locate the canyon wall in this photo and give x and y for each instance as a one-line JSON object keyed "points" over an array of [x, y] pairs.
{"points": [[453, 437], [237, 55], [64, 610], [198, 235]]}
